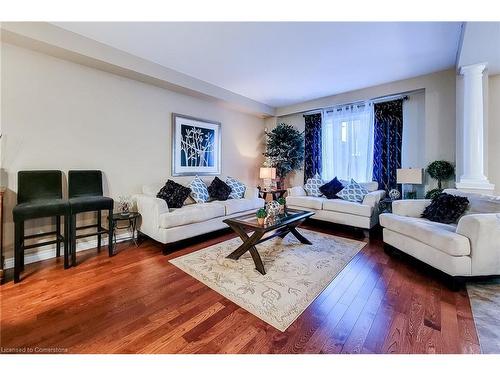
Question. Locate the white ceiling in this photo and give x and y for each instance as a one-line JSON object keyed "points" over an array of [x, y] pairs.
{"points": [[285, 63]]}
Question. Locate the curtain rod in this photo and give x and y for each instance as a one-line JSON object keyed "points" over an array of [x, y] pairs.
{"points": [[379, 99]]}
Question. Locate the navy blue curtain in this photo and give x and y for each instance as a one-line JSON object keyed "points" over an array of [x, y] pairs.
{"points": [[387, 142], [312, 149]]}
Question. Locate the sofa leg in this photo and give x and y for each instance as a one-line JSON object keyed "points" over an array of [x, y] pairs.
{"points": [[366, 234], [455, 283], [388, 249]]}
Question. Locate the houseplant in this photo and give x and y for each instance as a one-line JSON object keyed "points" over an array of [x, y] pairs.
{"points": [[282, 203], [441, 170], [284, 150], [261, 215]]}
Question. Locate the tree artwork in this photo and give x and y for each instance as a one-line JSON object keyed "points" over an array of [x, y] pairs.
{"points": [[197, 147]]}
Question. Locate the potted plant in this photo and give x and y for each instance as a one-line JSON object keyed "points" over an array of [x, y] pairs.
{"points": [[284, 150], [261, 215], [441, 170], [282, 203], [124, 204]]}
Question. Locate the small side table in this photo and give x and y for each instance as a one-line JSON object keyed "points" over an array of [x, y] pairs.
{"points": [[131, 225], [385, 205], [276, 193]]}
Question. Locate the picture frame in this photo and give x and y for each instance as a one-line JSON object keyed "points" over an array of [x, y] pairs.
{"points": [[196, 146]]}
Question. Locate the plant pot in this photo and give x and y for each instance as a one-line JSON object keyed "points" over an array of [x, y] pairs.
{"points": [[261, 220], [282, 209]]}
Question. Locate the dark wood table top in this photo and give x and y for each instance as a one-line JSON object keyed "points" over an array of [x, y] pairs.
{"points": [[249, 221]]}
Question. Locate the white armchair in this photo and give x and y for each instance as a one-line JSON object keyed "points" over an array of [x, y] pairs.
{"points": [[469, 248]]}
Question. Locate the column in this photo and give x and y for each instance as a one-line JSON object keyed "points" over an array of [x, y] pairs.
{"points": [[473, 178]]}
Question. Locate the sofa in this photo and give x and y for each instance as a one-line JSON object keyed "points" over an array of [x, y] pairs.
{"points": [[192, 219], [469, 248], [362, 215]]}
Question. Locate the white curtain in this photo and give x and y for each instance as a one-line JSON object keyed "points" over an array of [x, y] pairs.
{"points": [[347, 143]]}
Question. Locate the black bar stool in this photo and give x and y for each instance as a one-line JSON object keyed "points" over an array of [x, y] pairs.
{"points": [[85, 195], [39, 195]]}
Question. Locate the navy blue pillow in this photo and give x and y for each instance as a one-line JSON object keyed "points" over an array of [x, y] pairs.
{"points": [[330, 189]]}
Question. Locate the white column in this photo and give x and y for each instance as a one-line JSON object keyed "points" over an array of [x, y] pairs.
{"points": [[473, 178]]}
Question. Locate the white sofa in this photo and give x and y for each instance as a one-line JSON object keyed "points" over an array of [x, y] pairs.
{"points": [[469, 248], [362, 215], [171, 225]]}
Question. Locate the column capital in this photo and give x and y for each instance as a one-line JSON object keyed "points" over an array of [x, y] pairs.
{"points": [[473, 69]]}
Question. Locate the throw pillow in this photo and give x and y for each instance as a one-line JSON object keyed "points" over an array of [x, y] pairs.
{"points": [[446, 208], [312, 186], [199, 191], [174, 194], [353, 192], [330, 189], [219, 190], [237, 188]]}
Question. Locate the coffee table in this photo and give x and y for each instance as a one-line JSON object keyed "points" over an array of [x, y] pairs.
{"points": [[281, 226]]}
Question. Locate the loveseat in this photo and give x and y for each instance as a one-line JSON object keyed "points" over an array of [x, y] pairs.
{"points": [[192, 219], [469, 248], [362, 215]]}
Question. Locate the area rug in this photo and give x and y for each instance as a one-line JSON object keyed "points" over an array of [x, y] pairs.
{"points": [[485, 303], [295, 273]]}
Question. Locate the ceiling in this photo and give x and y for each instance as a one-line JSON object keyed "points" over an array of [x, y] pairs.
{"points": [[283, 63]]}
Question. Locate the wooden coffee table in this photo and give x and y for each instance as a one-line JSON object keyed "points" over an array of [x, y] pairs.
{"points": [[282, 225]]}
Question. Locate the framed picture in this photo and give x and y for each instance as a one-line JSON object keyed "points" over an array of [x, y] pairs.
{"points": [[196, 146]]}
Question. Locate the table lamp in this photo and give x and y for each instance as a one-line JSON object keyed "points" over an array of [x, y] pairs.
{"points": [[267, 174], [411, 176]]}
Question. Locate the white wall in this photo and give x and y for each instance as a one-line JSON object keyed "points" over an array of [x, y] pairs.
{"points": [[60, 115], [494, 131]]}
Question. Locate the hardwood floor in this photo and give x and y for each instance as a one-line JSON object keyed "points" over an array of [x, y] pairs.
{"points": [[137, 302]]}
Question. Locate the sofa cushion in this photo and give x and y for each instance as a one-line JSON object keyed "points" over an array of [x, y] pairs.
{"points": [[237, 188], [240, 205], [330, 189], [438, 235], [353, 192], [312, 186], [446, 208], [194, 213], [478, 203], [354, 208], [316, 203], [174, 194], [199, 191], [219, 190]]}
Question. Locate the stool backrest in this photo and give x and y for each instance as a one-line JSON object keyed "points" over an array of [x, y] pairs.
{"points": [[36, 185], [84, 184]]}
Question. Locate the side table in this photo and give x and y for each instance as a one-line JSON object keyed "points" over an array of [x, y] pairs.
{"points": [[385, 205], [131, 218], [275, 193]]}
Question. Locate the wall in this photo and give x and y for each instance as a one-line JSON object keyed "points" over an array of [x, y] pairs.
{"points": [[60, 115], [494, 131], [430, 117]]}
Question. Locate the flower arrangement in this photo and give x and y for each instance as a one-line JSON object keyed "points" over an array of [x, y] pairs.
{"points": [[124, 204]]}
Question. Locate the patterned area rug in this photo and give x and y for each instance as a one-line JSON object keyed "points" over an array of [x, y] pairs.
{"points": [[295, 273], [485, 302]]}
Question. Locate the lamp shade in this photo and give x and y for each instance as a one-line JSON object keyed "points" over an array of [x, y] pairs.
{"points": [[267, 172], [409, 176]]}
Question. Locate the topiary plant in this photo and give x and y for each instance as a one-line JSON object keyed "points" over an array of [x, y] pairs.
{"points": [[261, 213], [440, 170], [285, 149], [281, 201]]}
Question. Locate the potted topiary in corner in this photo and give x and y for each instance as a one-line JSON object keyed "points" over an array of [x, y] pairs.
{"points": [[261, 215], [440, 170]]}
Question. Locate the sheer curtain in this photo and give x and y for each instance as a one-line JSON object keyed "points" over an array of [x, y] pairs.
{"points": [[347, 143]]}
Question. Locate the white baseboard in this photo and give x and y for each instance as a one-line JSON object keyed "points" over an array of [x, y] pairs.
{"points": [[50, 252]]}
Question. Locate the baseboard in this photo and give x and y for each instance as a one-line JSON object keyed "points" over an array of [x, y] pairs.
{"points": [[50, 252]]}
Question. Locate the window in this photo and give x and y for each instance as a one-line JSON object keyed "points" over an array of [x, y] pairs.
{"points": [[347, 143]]}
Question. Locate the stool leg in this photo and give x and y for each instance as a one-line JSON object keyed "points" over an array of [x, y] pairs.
{"points": [[73, 240], [17, 251], [66, 241], [21, 253], [110, 232], [58, 236], [99, 229]]}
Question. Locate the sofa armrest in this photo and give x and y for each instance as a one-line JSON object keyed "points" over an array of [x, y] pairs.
{"points": [[150, 209], [373, 198], [410, 207], [251, 192], [296, 191], [483, 232]]}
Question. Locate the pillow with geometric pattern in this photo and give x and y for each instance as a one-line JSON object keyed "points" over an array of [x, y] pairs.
{"points": [[199, 191], [312, 186], [446, 208], [353, 192], [237, 188]]}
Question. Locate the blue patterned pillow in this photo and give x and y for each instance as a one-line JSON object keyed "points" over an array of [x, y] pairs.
{"points": [[237, 188], [199, 191], [353, 192], [312, 186]]}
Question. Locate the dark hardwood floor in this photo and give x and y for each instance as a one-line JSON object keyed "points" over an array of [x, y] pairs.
{"points": [[137, 302]]}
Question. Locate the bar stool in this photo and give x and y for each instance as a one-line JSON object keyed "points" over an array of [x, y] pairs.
{"points": [[39, 195], [85, 195]]}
